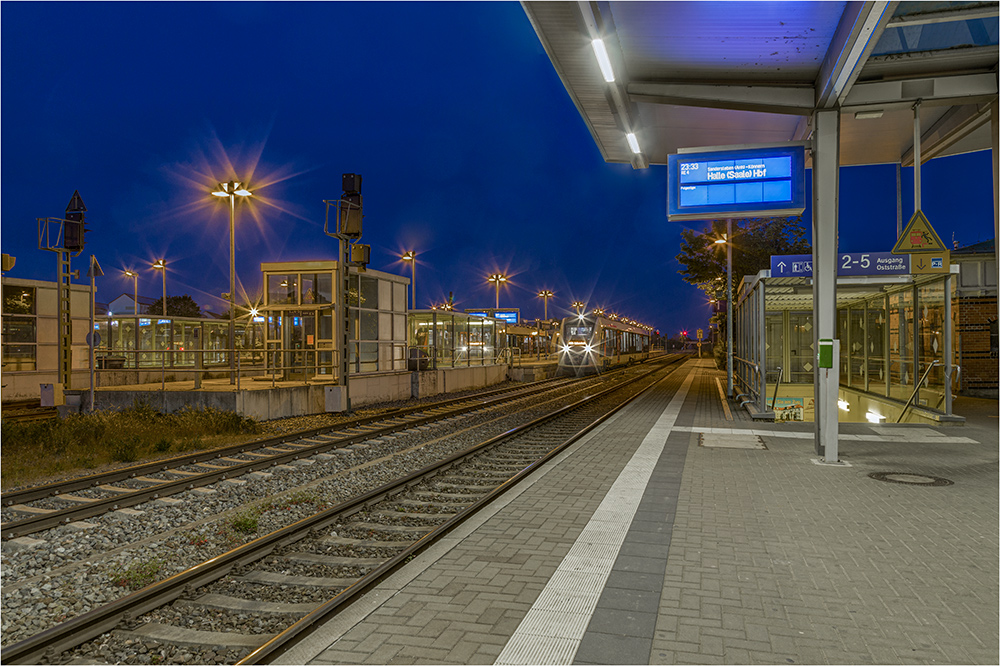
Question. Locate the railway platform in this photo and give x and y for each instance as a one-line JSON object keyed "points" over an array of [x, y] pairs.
{"points": [[672, 534]]}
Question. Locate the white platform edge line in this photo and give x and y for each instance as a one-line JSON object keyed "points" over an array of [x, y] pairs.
{"points": [[525, 648]]}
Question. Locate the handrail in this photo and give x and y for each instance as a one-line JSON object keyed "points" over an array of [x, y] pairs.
{"points": [[916, 388], [774, 398]]}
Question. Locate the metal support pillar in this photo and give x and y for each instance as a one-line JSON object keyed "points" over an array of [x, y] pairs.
{"points": [[63, 275], [948, 369], [916, 156], [345, 320], [729, 308], [762, 345], [826, 167]]}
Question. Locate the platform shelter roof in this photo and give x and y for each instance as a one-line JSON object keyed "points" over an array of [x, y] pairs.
{"points": [[696, 74]]}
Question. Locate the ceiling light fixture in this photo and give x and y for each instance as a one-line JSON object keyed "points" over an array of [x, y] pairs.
{"points": [[632, 143], [603, 60], [868, 115]]}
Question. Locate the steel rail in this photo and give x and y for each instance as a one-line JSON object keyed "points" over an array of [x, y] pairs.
{"points": [[48, 644], [301, 629], [44, 521], [163, 464]]}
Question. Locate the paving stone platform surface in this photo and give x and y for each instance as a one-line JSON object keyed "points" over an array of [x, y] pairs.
{"points": [[640, 545]]}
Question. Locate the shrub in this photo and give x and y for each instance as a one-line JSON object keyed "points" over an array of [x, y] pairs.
{"points": [[125, 450]]}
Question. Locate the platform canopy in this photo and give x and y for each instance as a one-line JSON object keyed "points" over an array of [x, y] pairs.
{"points": [[693, 74]]}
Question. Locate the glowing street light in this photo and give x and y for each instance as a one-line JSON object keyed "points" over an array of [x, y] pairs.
{"points": [[411, 257], [496, 279], [161, 265], [545, 295], [579, 305], [231, 190], [135, 285]]}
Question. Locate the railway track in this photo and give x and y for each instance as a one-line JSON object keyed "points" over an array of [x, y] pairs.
{"points": [[333, 555], [30, 510], [25, 411]]}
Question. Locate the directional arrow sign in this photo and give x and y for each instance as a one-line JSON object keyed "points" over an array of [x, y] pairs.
{"points": [[939, 262]]}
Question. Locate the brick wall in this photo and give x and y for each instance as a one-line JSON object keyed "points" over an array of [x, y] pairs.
{"points": [[976, 316]]}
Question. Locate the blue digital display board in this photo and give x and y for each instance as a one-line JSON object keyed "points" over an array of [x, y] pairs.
{"points": [[754, 182]]}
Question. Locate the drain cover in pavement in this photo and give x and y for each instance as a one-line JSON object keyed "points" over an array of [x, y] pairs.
{"points": [[910, 479], [731, 441]]}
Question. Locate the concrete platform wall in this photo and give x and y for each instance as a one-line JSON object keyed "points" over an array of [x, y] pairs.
{"points": [[273, 403]]}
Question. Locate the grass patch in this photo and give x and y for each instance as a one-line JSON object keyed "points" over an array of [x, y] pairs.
{"points": [[137, 575], [40, 450], [245, 522]]}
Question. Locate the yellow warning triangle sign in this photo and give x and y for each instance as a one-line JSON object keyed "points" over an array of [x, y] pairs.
{"points": [[918, 236]]}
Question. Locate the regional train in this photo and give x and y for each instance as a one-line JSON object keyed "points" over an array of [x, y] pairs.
{"points": [[592, 343]]}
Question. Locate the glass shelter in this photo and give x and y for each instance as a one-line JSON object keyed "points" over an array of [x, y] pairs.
{"points": [[448, 339], [301, 305], [896, 346]]}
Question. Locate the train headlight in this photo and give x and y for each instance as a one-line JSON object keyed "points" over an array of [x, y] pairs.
{"points": [[565, 348], [588, 348]]}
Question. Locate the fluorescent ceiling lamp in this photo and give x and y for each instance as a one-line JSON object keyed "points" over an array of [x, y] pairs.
{"points": [[868, 115], [632, 143], [603, 60]]}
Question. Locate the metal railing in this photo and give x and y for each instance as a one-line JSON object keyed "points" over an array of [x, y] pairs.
{"points": [[916, 389], [774, 398], [753, 389]]}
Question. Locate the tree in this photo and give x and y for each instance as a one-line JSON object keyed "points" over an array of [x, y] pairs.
{"points": [[753, 241], [177, 306]]}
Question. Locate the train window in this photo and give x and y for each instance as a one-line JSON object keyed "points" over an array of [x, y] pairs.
{"points": [[581, 331]]}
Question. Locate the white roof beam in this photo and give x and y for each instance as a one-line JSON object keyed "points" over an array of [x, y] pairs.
{"points": [[936, 91], [619, 100], [956, 124], [795, 100], [860, 28], [966, 14]]}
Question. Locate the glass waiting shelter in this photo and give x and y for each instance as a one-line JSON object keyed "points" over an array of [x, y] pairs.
{"points": [[448, 339], [135, 342], [896, 346], [301, 305]]}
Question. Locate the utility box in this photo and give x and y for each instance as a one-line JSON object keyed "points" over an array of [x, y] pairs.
{"points": [[336, 398], [825, 355], [52, 395]]}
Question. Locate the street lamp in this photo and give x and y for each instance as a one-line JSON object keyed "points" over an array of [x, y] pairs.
{"points": [[411, 257], [729, 305], [161, 265], [135, 285], [231, 190], [545, 295], [579, 305], [496, 279]]}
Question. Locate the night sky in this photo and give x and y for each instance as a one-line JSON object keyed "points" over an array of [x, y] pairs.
{"points": [[471, 150]]}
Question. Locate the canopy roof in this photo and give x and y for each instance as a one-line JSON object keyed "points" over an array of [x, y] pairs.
{"points": [[694, 74]]}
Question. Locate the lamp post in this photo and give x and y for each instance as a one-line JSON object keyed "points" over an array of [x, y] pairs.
{"points": [[579, 305], [231, 190], [729, 305], [545, 295], [161, 265], [496, 279], [135, 286], [411, 257]]}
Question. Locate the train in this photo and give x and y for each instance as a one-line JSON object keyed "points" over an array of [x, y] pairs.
{"points": [[592, 343]]}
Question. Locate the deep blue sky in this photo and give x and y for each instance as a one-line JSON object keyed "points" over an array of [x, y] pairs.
{"points": [[472, 154]]}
